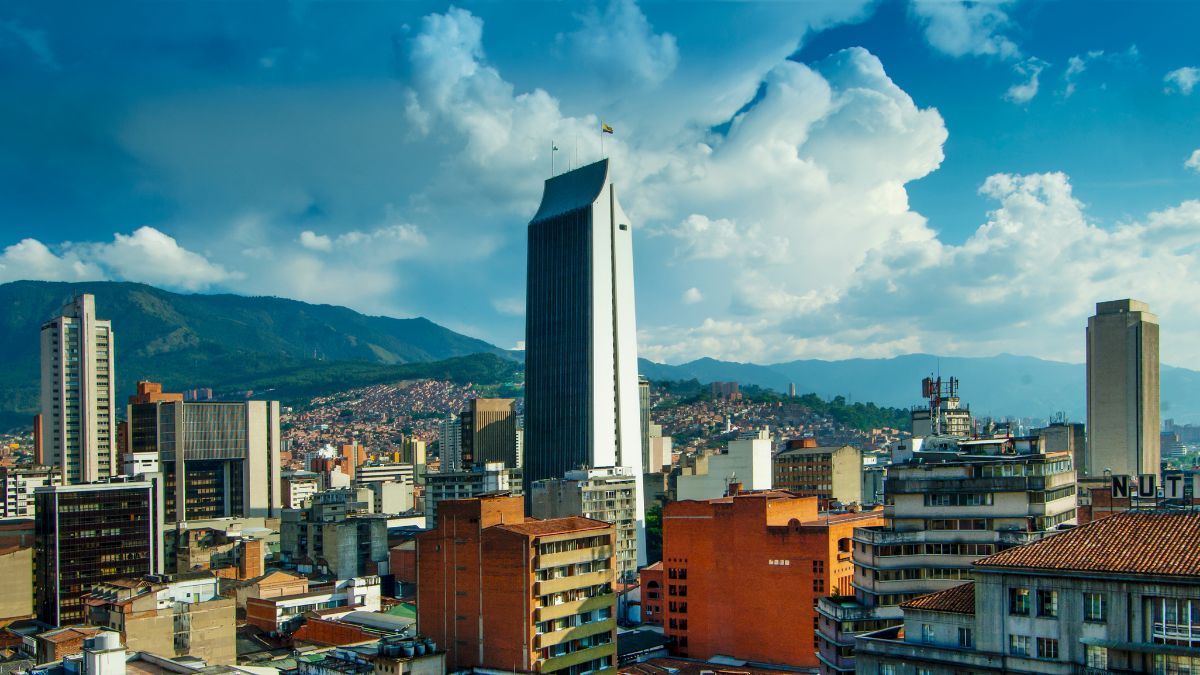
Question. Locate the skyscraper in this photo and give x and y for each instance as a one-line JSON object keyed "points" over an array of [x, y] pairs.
{"points": [[489, 433], [78, 412], [1122, 387], [581, 375]]}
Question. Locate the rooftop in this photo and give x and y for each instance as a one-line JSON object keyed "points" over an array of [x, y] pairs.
{"points": [[536, 528], [958, 600], [665, 666], [1137, 542]]}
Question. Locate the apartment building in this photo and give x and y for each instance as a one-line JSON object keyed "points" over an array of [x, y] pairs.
{"points": [[605, 493], [284, 613], [740, 567], [91, 534], [483, 480], [298, 486], [830, 474], [171, 616], [335, 534], [1119, 595], [517, 595], [383, 472], [79, 413], [940, 517], [19, 483]]}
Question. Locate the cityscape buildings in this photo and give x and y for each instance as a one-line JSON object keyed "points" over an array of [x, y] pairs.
{"points": [[605, 493], [487, 479], [746, 462], [1122, 390], [79, 414], [828, 473], [582, 404], [489, 433], [18, 484], [450, 443]]}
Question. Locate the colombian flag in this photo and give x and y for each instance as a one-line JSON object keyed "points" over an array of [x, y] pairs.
{"points": [[605, 129]]}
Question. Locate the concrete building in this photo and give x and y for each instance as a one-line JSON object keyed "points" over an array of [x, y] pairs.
{"points": [[1067, 437], [582, 405], [514, 595], [746, 462], [18, 484], [299, 486], [335, 535], [16, 583], [91, 534], [1115, 596], [218, 459], [491, 478], [725, 389], [283, 613], [660, 450], [830, 474], [605, 494], [450, 444], [489, 433], [941, 516], [388, 497], [1122, 389], [172, 616], [738, 568], [79, 413], [378, 472], [644, 409]]}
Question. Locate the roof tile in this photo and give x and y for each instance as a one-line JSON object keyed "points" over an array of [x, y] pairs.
{"points": [[958, 600]]}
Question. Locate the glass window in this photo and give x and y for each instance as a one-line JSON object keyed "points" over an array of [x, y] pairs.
{"points": [[1047, 648], [1018, 601], [966, 638], [1018, 645], [887, 669], [1048, 604], [1095, 607], [927, 633], [1097, 657]]}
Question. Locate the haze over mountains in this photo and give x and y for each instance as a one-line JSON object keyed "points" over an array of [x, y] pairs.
{"points": [[233, 342]]}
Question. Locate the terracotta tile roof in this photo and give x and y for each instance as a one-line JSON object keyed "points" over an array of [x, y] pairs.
{"points": [[7, 550], [535, 528], [1139, 542], [958, 600], [68, 634]]}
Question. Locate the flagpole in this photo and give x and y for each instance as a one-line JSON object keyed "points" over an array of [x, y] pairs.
{"points": [[552, 158], [601, 139]]}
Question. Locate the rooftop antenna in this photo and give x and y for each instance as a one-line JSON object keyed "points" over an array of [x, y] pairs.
{"points": [[553, 149]]}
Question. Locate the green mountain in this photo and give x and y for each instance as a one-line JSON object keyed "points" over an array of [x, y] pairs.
{"points": [[233, 343]]}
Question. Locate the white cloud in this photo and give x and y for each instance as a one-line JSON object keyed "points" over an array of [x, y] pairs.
{"points": [[1077, 64], [701, 238], [316, 242], [621, 44], [513, 306], [1023, 92], [14, 35], [692, 295], [1193, 162], [146, 256], [1184, 78], [961, 28]]}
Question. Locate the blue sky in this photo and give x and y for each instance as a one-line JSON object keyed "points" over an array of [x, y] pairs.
{"points": [[806, 180]]}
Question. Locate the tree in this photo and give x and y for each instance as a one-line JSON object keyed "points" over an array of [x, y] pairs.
{"points": [[654, 534]]}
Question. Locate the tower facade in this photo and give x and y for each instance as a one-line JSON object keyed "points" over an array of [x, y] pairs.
{"points": [[78, 411], [581, 376], [1122, 388]]}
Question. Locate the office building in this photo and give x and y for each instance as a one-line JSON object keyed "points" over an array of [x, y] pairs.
{"points": [[169, 616], [218, 459], [490, 478], [1122, 389], [739, 568], [831, 474], [514, 595], [745, 462], [79, 413], [381, 472], [606, 494], [450, 444], [1119, 595], [644, 408], [581, 373], [91, 534], [942, 514], [489, 433], [18, 484]]}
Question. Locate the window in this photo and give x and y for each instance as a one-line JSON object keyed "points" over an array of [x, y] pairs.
{"points": [[1097, 657], [927, 633], [1048, 604], [1018, 601], [966, 638], [818, 585], [1095, 607], [1018, 645], [1047, 648], [672, 590], [1176, 621], [924, 671], [818, 567], [887, 669]]}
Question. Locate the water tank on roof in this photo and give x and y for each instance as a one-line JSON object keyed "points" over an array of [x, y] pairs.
{"points": [[420, 649], [107, 640]]}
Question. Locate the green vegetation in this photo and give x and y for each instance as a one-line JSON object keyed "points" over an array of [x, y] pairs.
{"points": [[654, 534]]}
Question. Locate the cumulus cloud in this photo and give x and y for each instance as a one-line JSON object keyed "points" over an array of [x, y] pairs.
{"points": [[1193, 162], [966, 28], [316, 242], [1023, 92], [1077, 64], [1184, 79], [147, 256], [621, 44], [692, 295], [702, 238], [513, 306]]}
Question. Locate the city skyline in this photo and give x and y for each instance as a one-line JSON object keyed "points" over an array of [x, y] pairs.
{"points": [[813, 180]]}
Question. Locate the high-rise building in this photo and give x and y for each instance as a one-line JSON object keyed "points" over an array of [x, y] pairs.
{"points": [[219, 459], [79, 414], [93, 533], [489, 433], [18, 484], [1122, 389], [528, 597], [450, 444], [644, 408], [581, 370], [807, 470], [792, 389], [605, 494]]}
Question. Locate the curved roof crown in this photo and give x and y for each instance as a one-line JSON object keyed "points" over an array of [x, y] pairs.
{"points": [[572, 190]]}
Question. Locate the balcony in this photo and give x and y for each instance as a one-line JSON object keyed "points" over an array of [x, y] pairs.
{"points": [[568, 608], [1020, 538], [880, 536], [575, 658], [568, 583], [850, 610], [572, 557], [547, 639]]}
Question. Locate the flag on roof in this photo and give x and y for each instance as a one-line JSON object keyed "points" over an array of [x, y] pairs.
{"points": [[605, 129]]}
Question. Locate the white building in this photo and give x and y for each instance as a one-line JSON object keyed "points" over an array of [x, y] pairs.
{"points": [[379, 472], [450, 443], [582, 404], [19, 483], [79, 414], [745, 462]]}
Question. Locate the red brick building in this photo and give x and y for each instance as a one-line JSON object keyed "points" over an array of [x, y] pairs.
{"points": [[503, 592], [743, 575], [653, 593]]}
